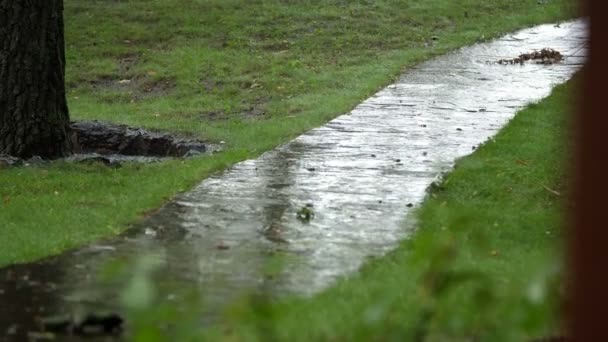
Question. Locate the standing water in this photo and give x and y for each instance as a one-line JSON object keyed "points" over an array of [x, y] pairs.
{"points": [[323, 202]]}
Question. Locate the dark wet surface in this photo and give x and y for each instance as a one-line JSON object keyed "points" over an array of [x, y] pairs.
{"points": [[114, 145], [107, 138], [359, 176]]}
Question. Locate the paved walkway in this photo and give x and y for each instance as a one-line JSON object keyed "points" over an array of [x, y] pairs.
{"points": [[361, 175]]}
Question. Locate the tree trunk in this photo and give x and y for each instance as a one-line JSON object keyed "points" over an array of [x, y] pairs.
{"points": [[34, 119]]}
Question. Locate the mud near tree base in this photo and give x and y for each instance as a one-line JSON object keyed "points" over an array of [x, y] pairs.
{"points": [[311, 211], [113, 144], [107, 139]]}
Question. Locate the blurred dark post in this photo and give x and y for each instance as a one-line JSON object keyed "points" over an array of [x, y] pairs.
{"points": [[589, 226]]}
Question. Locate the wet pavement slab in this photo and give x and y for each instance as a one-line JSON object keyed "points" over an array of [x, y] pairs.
{"points": [[318, 206]]}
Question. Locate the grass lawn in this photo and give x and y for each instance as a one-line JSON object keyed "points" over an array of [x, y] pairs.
{"points": [[484, 265], [252, 74]]}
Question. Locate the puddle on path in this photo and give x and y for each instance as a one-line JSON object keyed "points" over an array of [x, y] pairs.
{"points": [[359, 172]]}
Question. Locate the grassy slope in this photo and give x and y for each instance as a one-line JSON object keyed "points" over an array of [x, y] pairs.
{"points": [[251, 73], [482, 267]]}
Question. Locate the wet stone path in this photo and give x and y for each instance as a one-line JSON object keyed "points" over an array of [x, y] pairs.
{"points": [[360, 175]]}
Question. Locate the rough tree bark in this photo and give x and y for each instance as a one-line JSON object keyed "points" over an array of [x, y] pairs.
{"points": [[34, 119]]}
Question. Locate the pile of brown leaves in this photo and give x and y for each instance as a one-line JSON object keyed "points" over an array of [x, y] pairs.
{"points": [[544, 56]]}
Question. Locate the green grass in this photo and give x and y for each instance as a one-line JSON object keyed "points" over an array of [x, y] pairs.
{"points": [[253, 74], [484, 264]]}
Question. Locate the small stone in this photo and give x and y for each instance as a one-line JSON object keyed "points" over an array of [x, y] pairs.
{"points": [[311, 169], [409, 205], [94, 324], [101, 248], [40, 336], [459, 129], [192, 153], [6, 161], [398, 160], [35, 160], [424, 153], [222, 246], [373, 156], [12, 330]]}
